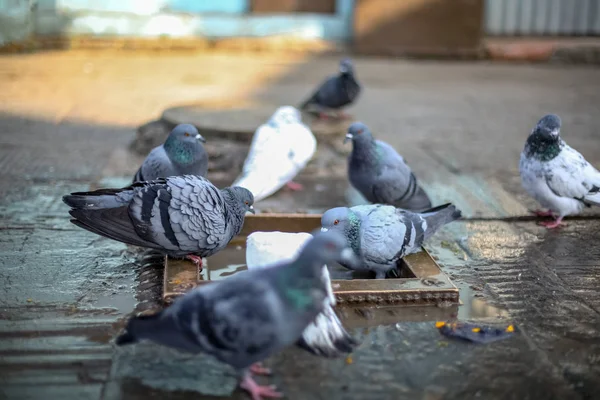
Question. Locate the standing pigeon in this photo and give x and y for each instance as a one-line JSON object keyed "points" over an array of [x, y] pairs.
{"points": [[325, 336], [249, 316], [181, 216], [555, 174], [181, 154], [335, 92], [280, 149], [377, 171], [380, 235]]}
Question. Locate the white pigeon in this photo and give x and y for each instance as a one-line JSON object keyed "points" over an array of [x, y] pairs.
{"points": [[280, 149], [555, 174], [325, 336]]}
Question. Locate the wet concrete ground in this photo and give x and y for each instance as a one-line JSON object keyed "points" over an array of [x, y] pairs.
{"points": [[65, 292]]}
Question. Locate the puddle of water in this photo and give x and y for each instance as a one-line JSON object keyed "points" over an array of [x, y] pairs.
{"points": [[473, 307], [232, 260]]}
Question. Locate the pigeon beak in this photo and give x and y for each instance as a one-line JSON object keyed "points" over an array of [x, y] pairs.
{"points": [[348, 137], [200, 138], [348, 257], [324, 229], [251, 210]]}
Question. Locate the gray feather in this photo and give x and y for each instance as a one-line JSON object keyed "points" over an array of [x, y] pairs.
{"points": [[380, 174], [177, 215], [380, 235], [181, 154], [249, 316]]}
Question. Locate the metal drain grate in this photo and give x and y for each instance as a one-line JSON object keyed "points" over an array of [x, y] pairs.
{"points": [[421, 280]]}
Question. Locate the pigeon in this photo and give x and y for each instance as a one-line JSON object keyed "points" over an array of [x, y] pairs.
{"points": [[380, 174], [249, 316], [380, 235], [555, 174], [181, 216], [280, 149], [335, 92], [325, 336], [181, 154]]}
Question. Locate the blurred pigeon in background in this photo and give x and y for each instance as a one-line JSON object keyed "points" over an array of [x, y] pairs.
{"points": [[380, 174], [280, 149], [380, 235], [325, 336], [335, 92], [181, 154], [555, 174], [181, 216], [249, 316]]}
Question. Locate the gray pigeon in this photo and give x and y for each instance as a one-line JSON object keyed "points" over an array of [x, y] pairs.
{"points": [[555, 174], [181, 216], [380, 235], [377, 171], [249, 316], [335, 92], [181, 154]]}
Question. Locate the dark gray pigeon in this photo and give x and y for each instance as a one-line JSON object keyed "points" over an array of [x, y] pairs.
{"points": [[380, 235], [181, 154], [380, 174], [181, 216], [336, 92], [556, 175], [249, 316]]}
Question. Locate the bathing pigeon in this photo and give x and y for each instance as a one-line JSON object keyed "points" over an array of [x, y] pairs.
{"points": [[555, 174], [181, 216], [380, 235], [377, 171], [335, 92], [249, 316], [325, 336], [181, 154], [280, 149]]}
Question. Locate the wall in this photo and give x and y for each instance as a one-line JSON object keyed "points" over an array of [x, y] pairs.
{"points": [[16, 21], [186, 18]]}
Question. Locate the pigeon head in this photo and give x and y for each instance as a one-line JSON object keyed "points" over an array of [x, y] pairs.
{"points": [[544, 141], [346, 66], [343, 219], [358, 132], [329, 246], [184, 144], [243, 198], [286, 115]]}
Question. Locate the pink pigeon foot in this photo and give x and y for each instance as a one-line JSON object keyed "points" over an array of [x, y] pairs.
{"points": [[323, 116], [196, 260], [552, 224], [541, 213], [258, 369], [258, 392], [295, 186]]}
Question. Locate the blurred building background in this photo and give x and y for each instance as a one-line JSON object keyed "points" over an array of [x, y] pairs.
{"points": [[390, 27]]}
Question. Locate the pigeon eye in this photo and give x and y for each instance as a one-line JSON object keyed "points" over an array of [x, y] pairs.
{"points": [[337, 221], [358, 132], [246, 202], [186, 134]]}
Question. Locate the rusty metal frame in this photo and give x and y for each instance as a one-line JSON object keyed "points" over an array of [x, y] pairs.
{"points": [[425, 284]]}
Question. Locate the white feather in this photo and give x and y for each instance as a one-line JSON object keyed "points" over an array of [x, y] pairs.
{"points": [[561, 183], [264, 249], [280, 149]]}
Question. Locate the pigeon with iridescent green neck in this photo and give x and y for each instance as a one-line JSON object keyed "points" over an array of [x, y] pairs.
{"points": [[555, 174], [181, 154], [380, 174], [381, 235], [249, 316]]}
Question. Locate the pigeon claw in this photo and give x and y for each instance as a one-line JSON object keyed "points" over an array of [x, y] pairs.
{"points": [[258, 392], [196, 260], [258, 369], [294, 186], [552, 224]]}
